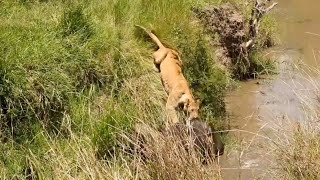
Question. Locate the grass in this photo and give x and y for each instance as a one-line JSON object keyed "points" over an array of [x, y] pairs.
{"points": [[165, 157], [297, 151], [296, 145], [75, 78], [301, 160]]}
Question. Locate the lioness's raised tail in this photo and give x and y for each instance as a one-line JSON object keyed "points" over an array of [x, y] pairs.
{"points": [[152, 36]]}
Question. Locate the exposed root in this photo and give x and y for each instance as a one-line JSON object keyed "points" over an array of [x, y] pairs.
{"points": [[236, 36]]}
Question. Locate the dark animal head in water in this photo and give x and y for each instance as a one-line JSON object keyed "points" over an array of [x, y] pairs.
{"points": [[207, 139], [204, 137], [197, 136]]}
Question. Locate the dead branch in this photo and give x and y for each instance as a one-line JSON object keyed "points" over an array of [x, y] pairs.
{"points": [[271, 7], [257, 12]]}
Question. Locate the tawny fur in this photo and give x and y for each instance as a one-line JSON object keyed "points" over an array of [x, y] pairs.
{"points": [[179, 94]]}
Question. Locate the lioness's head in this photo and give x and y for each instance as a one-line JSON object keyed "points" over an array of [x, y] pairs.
{"points": [[193, 109]]}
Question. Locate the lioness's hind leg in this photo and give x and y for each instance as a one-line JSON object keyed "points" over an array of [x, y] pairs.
{"points": [[159, 56]]}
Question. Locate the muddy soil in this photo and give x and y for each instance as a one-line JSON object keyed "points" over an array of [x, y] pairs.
{"points": [[228, 23], [237, 36], [255, 107]]}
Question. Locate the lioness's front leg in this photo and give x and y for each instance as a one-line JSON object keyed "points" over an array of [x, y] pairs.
{"points": [[171, 107], [184, 101]]}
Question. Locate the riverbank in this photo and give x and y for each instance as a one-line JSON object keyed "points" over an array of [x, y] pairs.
{"points": [[76, 76], [277, 125]]}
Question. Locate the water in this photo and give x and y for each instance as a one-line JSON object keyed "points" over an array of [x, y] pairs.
{"points": [[256, 105]]}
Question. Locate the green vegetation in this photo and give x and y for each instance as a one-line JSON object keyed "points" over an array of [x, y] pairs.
{"points": [[74, 76], [267, 37]]}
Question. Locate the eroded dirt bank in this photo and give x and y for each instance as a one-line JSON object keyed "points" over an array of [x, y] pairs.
{"points": [[258, 105]]}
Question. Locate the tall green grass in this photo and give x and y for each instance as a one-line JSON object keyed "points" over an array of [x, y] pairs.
{"points": [[74, 75]]}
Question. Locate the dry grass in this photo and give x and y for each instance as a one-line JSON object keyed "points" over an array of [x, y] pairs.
{"points": [[167, 156], [296, 142]]}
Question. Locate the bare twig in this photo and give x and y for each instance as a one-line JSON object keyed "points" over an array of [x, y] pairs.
{"points": [[258, 11], [270, 7], [313, 34]]}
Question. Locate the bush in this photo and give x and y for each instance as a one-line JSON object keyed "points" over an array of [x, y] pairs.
{"points": [[38, 79], [75, 22], [33, 86]]}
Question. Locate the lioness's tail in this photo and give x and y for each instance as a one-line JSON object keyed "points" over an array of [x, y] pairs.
{"points": [[152, 36]]}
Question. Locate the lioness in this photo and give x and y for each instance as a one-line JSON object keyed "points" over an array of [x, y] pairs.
{"points": [[169, 65]]}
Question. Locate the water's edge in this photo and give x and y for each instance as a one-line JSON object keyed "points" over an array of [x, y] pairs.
{"points": [[254, 105]]}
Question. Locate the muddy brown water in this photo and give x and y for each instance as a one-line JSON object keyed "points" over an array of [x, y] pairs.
{"points": [[255, 105]]}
